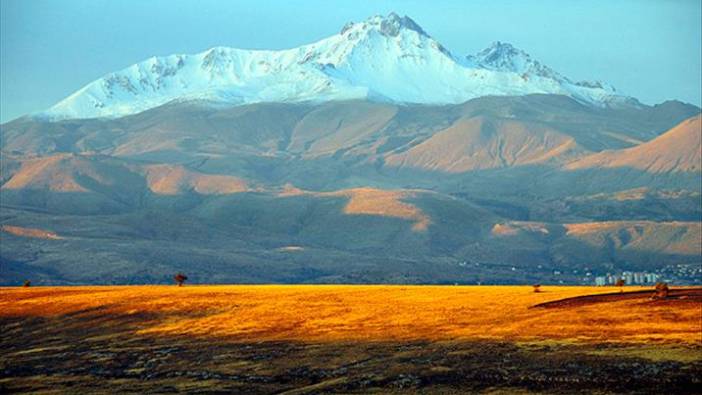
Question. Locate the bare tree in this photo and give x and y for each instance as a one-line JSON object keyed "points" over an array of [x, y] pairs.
{"points": [[180, 279], [662, 291], [620, 283]]}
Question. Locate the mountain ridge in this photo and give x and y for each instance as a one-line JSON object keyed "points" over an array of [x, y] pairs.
{"points": [[386, 59], [677, 150]]}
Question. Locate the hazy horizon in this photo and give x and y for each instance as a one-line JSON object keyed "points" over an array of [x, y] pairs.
{"points": [[584, 41]]}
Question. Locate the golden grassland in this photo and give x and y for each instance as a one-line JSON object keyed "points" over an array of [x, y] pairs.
{"points": [[333, 313]]}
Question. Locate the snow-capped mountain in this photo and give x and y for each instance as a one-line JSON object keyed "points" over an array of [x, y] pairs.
{"points": [[381, 59], [505, 57]]}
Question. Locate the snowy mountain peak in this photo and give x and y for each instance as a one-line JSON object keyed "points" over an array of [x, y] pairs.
{"points": [[384, 58], [390, 25], [505, 57], [389, 34]]}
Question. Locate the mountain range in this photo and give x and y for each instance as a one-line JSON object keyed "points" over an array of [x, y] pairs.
{"points": [[375, 155], [385, 59]]}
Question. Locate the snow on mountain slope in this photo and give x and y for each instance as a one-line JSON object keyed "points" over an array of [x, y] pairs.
{"points": [[382, 59], [503, 57]]}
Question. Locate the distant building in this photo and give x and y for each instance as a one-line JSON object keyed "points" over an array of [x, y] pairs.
{"points": [[639, 278], [629, 278]]}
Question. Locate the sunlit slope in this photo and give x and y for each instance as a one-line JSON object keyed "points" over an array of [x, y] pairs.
{"points": [[91, 184], [97, 184], [175, 179], [401, 223], [71, 173], [671, 161], [29, 232], [481, 143], [626, 240], [670, 237], [677, 150], [352, 129], [369, 313]]}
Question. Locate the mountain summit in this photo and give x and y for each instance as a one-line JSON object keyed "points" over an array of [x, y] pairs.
{"points": [[391, 25], [505, 57], [385, 59]]}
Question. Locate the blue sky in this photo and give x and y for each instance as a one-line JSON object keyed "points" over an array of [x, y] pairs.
{"points": [[650, 49]]}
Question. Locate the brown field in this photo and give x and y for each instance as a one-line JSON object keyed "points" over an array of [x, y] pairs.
{"points": [[348, 339]]}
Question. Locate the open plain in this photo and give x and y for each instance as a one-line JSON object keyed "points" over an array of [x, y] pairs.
{"points": [[349, 339]]}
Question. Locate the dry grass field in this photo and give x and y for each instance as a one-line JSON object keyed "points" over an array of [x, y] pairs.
{"points": [[349, 339]]}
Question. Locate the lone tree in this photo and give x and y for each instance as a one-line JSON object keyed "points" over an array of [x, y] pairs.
{"points": [[180, 279], [537, 288], [620, 283], [662, 291], [26, 284]]}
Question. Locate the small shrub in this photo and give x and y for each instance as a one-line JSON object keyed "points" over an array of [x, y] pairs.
{"points": [[26, 284], [537, 288], [180, 279]]}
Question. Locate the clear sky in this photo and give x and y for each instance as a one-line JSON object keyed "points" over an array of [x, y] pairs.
{"points": [[650, 49]]}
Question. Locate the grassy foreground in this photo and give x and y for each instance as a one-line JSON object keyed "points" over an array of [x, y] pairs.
{"points": [[369, 313], [351, 339]]}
